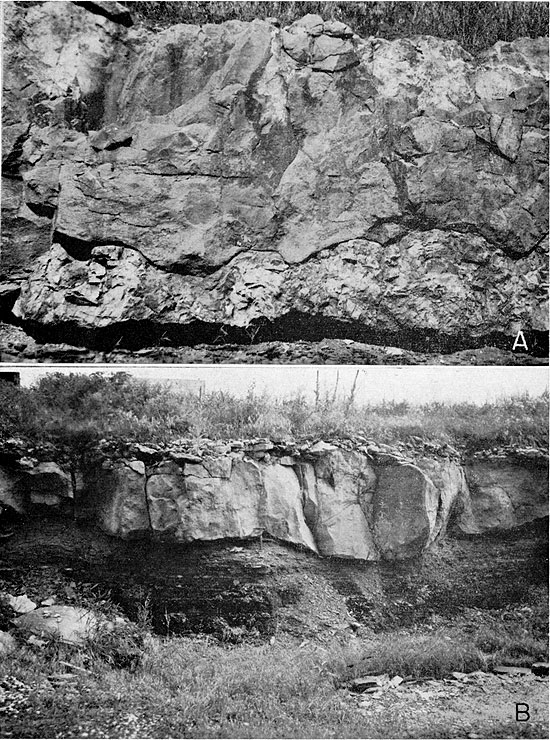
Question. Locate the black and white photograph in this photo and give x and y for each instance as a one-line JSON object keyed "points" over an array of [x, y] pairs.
{"points": [[274, 552], [274, 387], [288, 182]]}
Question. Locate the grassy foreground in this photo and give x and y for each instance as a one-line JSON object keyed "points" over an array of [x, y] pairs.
{"points": [[77, 410], [199, 687]]}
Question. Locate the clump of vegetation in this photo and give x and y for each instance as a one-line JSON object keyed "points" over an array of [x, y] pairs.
{"points": [[475, 25], [469, 640], [131, 683], [430, 655], [120, 646], [74, 411], [6, 613]]}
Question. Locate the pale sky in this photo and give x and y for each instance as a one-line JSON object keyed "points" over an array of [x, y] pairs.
{"points": [[416, 384]]}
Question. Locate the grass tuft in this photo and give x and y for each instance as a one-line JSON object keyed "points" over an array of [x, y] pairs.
{"points": [[475, 26], [433, 655]]}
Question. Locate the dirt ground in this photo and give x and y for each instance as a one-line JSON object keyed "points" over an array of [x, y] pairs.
{"points": [[312, 602], [484, 707]]}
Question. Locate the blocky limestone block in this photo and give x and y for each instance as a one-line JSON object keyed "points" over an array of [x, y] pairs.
{"points": [[164, 487], [401, 511], [212, 500], [215, 508], [47, 480], [341, 503], [42, 483], [227, 498], [12, 495], [448, 490], [113, 496], [284, 513], [69, 624], [503, 495]]}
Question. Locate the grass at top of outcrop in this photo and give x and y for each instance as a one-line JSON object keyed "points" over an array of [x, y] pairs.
{"points": [[74, 411], [475, 26]]}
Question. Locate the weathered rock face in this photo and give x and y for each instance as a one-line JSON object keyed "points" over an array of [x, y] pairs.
{"points": [[338, 494], [234, 174], [34, 483], [113, 498], [401, 511], [503, 495], [333, 501]]}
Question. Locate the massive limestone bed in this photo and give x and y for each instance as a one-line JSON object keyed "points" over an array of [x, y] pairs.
{"points": [[248, 182], [256, 536], [347, 499]]}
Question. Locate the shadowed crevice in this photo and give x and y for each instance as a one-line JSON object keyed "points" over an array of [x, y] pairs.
{"points": [[292, 327]]}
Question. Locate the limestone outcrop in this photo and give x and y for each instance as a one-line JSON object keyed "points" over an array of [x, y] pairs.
{"points": [[233, 177], [364, 502], [503, 494]]}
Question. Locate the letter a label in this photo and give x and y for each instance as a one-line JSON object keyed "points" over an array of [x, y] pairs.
{"points": [[520, 342]]}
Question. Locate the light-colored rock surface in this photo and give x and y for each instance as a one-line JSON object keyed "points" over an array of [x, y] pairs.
{"points": [[448, 489], [72, 625], [8, 644], [336, 502], [224, 498], [284, 513], [365, 502], [20, 604], [341, 502], [393, 185]]}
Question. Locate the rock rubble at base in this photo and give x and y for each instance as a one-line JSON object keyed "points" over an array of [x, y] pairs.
{"points": [[69, 624], [374, 687], [72, 625], [351, 498], [16, 346]]}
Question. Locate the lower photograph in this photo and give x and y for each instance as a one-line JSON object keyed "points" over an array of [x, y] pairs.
{"points": [[273, 551]]}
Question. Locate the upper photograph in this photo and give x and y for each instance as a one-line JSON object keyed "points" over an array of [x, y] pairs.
{"points": [[275, 182]]}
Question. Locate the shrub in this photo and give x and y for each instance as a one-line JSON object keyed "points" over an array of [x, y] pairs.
{"points": [[6, 613], [18, 410]]}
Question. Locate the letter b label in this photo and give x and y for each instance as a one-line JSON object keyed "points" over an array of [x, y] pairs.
{"points": [[522, 712]]}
